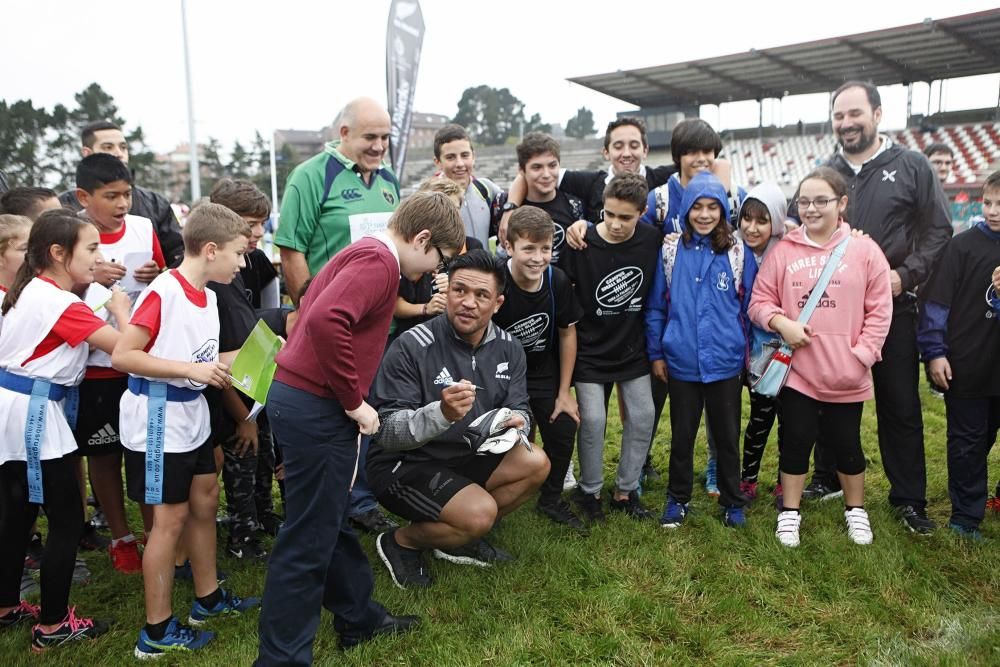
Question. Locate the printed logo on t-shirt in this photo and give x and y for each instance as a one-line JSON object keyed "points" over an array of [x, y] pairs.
{"points": [[824, 301], [444, 377], [389, 197], [502, 371], [722, 282], [529, 331], [618, 287], [207, 353], [558, 236]]}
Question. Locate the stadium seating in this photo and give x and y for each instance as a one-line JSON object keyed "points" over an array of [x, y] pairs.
{"points": [[784, 160]]}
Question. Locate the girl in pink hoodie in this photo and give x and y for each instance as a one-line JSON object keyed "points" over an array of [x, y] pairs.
{"points": [[830, 377]]}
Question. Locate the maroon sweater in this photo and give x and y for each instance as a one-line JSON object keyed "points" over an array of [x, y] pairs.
{"points": [[336, 345]]}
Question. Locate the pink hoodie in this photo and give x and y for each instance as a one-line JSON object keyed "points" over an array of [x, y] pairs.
{"points": [[849, 324]]}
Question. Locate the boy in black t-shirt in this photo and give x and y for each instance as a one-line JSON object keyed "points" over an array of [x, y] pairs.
{"points": [[959, 339], [248, 463], [540, 310], [611, 278], [538, 166]]}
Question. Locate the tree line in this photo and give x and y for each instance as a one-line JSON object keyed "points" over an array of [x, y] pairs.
{"points": [[41, 147]]}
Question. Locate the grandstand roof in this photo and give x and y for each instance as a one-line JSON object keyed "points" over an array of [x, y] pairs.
{"points": [[934, 49]]}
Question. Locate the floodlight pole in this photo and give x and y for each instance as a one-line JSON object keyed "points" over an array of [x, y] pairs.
{"points": [[274, 175], [195, 170]]}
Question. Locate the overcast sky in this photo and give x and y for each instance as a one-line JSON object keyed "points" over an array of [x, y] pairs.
{"points": [[261, 64]]}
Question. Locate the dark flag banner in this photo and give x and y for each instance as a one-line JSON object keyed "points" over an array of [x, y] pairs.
{"points": [[403, 41]]}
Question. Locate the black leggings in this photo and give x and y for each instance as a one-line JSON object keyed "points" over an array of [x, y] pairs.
{"points": [[804, 418], [763, 410], [558, 438], [64, 512]]}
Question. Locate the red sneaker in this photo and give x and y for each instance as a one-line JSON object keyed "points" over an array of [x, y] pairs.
{"points": [[748, 489], [993, 504], [22, 612], [125, 557]]}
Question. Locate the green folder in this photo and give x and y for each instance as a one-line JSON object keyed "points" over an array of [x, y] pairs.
{"points": [[253, 369]]}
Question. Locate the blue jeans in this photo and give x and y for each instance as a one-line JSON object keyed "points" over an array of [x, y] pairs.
{"points": [[317, 560]]}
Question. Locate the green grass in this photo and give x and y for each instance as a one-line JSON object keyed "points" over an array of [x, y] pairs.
{"points": [[635, 594]]}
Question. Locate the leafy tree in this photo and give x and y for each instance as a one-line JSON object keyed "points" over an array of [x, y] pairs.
{"points": [[23, 142], [491, 115], [211, 165], [241, 162], [535, 124], [581, 125]]}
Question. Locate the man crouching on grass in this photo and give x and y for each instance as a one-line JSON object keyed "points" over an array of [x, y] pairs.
{"points": [[432, 462]]}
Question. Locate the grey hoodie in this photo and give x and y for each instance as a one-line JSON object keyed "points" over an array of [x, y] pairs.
{"points": [[773, 198]]}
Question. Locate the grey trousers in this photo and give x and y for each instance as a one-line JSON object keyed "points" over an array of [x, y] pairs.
{"points": [[637, 429]]}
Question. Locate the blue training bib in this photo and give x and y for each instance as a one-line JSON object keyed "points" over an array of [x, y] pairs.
{"points": [[34, 429], [156, 424]]}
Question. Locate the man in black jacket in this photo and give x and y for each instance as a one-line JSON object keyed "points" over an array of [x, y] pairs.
{"points": [[434, 381], [105, 137], [894, 197]]}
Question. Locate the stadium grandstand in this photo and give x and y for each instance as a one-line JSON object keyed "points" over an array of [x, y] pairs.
{"points": [[933, 50]]}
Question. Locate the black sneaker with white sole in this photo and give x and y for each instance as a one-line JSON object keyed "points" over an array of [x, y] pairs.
{"points": [[247, 547], [477, 552], [373, 522], [406, 566], [559, 511], [915, 519], [821, 491]]}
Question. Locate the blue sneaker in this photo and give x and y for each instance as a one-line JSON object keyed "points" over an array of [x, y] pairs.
{"points": [[972, 534], [711, 481], [734, 517], [177, 639], [229, 605], [674, 514]]}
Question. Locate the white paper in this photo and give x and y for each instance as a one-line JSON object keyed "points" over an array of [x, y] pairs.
{"points": [[96, 297], [254, 411], [133, 261], [364, 224]]}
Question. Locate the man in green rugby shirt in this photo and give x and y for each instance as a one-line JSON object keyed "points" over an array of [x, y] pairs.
{"points": [[338, 196], [332, 200]]}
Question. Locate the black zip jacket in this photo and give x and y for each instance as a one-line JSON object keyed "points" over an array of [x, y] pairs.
{"points": [[897, 200]]}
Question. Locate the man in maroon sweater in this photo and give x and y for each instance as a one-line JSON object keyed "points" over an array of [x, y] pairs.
{"points": [[317, 409]]}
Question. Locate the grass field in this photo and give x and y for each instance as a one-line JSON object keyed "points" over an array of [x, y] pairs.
{"points": [[635, 594]]}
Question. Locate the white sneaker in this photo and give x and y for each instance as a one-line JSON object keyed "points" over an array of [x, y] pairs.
{"points": [[787, 531], [858, 527], [569, 483]]}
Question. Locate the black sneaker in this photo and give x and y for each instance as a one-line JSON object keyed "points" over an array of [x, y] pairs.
{"points": [[649, 473], [588, 505], [915, 519], [820, 491], [406, 566], [373, 522], [70, 629], [477, 552], [247, 547], [559, 511], [630, 506], [91, 540]]}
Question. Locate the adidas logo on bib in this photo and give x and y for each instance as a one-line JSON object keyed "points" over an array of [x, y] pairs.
{"points": [[444, 377]]}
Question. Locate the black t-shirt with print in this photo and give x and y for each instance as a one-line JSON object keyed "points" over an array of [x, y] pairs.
{"points": [[611, 281], [589, 186], [528, 316], [960, 282], [564, 210], [257, 274]]}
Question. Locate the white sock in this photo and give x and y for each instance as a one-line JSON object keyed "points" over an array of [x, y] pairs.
{"points": [[123, 540]]}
